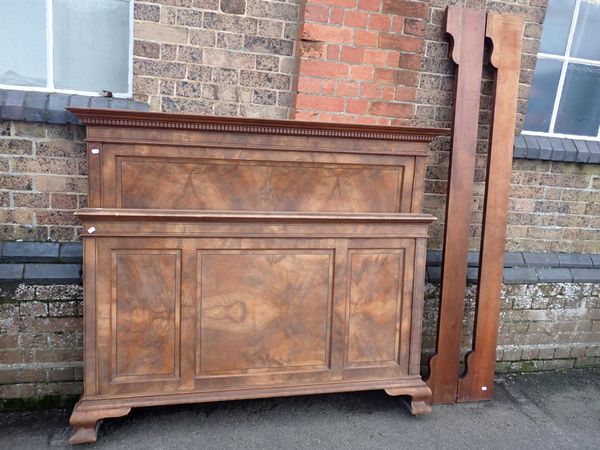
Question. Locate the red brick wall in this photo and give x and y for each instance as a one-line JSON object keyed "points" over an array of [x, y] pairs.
{"points": [[553, 205], [359, 60]]}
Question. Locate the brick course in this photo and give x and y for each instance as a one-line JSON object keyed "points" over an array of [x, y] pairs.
{"points": [[543, 327], [43, 180], [359, 61], [41, 346], [209, 56]]}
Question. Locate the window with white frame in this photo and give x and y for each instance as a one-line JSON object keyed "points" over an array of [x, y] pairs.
{"points": [[70, 46], [565, 93]]}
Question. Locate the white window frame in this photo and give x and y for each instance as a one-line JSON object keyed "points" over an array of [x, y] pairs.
{"points": [[50, 63], [565, 59]]}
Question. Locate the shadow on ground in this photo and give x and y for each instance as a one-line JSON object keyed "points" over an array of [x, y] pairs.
{"points": [[552, 410]]}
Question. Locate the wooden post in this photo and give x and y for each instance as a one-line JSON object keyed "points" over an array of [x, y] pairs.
{"points": [[466, 26], [505, 32]]}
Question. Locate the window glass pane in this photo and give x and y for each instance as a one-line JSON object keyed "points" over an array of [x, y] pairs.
{"points": [[91, 45], [23, 38], [556, 26], [543, 93], [587, 32], [579, 109]]}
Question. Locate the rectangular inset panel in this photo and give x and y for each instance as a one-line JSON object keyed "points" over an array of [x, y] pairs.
{"points": [[374, 306], [145, 314], [257, 186], [264, 310]]}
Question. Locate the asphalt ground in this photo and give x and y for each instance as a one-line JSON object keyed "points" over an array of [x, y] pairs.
{"points": [[550, 410]]}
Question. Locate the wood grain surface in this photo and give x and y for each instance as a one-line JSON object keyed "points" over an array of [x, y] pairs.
{"points": [[264, 310], [243, 258], [466, 27], [145, 309], [505, 32], [274, 311], [374, 314], [258, 186]]}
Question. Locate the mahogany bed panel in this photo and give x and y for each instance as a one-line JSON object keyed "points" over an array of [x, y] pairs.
{"points": [[243, 258], [183, 161], [222, 305]]}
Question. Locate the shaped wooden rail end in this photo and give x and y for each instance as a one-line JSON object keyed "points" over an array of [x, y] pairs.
{"points": [[505, 32], [466, 26]]}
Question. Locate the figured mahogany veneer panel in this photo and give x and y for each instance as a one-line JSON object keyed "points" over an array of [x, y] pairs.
{"points": [[146, 289], [258, 186], [263, 309], [373, 323]]}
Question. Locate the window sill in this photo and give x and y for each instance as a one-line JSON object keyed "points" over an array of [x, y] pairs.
{"points": [[50, 107], [556, 149]]}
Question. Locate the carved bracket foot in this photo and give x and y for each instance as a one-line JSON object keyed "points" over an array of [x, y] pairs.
{"points": [[420, 399], [419, 406], [85, 422]]}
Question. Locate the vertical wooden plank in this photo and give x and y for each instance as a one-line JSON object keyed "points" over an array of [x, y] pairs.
{"points": [[90, 385], [418, 185], [406, 316], [94, 155], [188, 337], [505, 32], [417, 306], [340, 308], [109, 178], [102, 308], [466, 26]]}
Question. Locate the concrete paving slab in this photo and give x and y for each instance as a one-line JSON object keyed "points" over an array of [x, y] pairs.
{"points": [[549, 410]]}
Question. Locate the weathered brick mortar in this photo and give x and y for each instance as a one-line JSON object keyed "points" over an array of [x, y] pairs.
{"points": [[233, 57], [43, 180], [542, 327], [359, 60], [41, 344]]}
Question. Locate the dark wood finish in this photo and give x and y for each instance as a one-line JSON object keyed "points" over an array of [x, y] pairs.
{"points": [[154, 161], [85, 421], [284, 306], [304, 276], [505, 32], [247, 317], [113, 118], [466, 27], [258, 186]]}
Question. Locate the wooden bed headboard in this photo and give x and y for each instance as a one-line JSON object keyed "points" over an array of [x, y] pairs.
{"points": [[183, 161]]}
